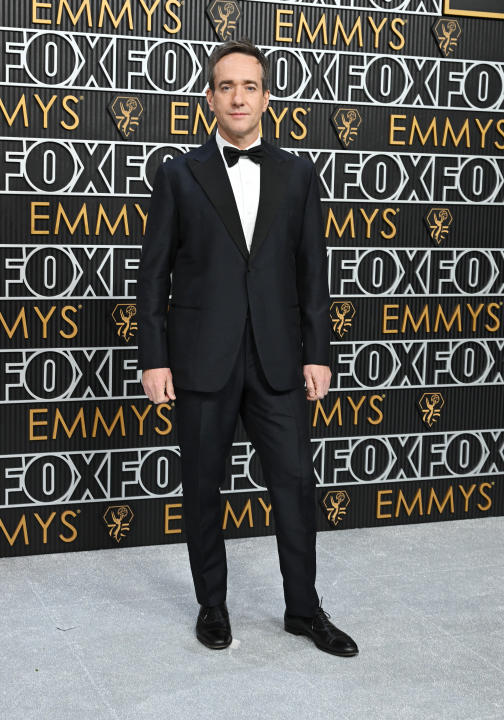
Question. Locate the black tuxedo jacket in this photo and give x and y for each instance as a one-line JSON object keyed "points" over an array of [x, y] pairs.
{"points": [[195, 249]]}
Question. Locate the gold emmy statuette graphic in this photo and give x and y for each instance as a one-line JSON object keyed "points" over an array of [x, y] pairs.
{"points": [[480, 9], [342, 314], [224, 15], [126, 111], [346, 122], [430, 404], [118, 520], [335, 503], [438, 221], [123, 315], [447, 33]]}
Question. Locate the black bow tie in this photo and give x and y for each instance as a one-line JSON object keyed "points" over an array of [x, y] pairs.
{"points": [[232, 154]]}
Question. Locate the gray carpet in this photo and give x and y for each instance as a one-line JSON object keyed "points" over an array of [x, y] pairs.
{"points": [[110, 634]]}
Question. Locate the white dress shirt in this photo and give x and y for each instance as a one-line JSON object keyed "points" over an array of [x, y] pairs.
{"points": [[245, 179]]}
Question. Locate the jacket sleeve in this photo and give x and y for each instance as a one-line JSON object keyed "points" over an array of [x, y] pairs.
{"points": [[312, 280], [154, 274]]}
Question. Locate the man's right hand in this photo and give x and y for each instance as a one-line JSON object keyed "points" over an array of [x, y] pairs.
{"points": [[158, 385]]}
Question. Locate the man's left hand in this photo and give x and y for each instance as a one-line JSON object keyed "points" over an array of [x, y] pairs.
{"points": [[318, 379]]}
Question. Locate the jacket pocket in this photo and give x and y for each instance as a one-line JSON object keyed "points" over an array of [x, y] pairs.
{"points": [[180, 305]]}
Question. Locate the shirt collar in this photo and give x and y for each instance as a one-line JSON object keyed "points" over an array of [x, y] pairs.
{"points": [[222, 143]]}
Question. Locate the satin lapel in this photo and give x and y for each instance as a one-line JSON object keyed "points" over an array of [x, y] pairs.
{"points": [[274, 179], [210, 172]]}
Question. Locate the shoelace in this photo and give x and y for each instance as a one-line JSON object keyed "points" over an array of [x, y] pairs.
{"points": [[322, 617], [215, 613]]}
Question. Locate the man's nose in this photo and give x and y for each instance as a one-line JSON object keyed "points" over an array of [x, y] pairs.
{"points": [[238, 96]]}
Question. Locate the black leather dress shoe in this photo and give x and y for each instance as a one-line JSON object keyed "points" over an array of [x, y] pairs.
{"points": [[324, 634], [213, 628]]}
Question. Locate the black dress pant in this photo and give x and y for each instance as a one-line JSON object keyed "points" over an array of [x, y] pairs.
{"points": [[276, 424]]}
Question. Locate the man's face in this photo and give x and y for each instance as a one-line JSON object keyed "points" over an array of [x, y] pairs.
{"points": [[238, 100]]}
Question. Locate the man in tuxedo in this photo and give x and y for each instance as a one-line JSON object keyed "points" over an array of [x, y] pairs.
{"points": [[234, 233]]}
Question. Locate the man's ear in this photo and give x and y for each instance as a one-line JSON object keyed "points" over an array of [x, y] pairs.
{"points": [[266, 96], [209, 97]]}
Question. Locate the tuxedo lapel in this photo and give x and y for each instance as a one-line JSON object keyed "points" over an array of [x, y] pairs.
{"points": [[209, 170], [274, 180]]}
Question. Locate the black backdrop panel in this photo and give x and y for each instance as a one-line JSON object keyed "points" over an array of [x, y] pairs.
{"points": [[400, 105]]}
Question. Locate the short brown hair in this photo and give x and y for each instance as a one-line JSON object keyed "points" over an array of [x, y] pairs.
{"points": [[245, 46]]}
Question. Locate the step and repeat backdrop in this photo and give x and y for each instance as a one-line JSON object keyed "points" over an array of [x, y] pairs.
{"points": [[400, 105]]}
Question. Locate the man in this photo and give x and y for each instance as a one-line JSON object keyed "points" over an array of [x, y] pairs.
{"points": [[237, 224]]}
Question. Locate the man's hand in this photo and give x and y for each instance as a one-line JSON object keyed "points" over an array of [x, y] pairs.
{"points": [[318, 379], [158, 385]]}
